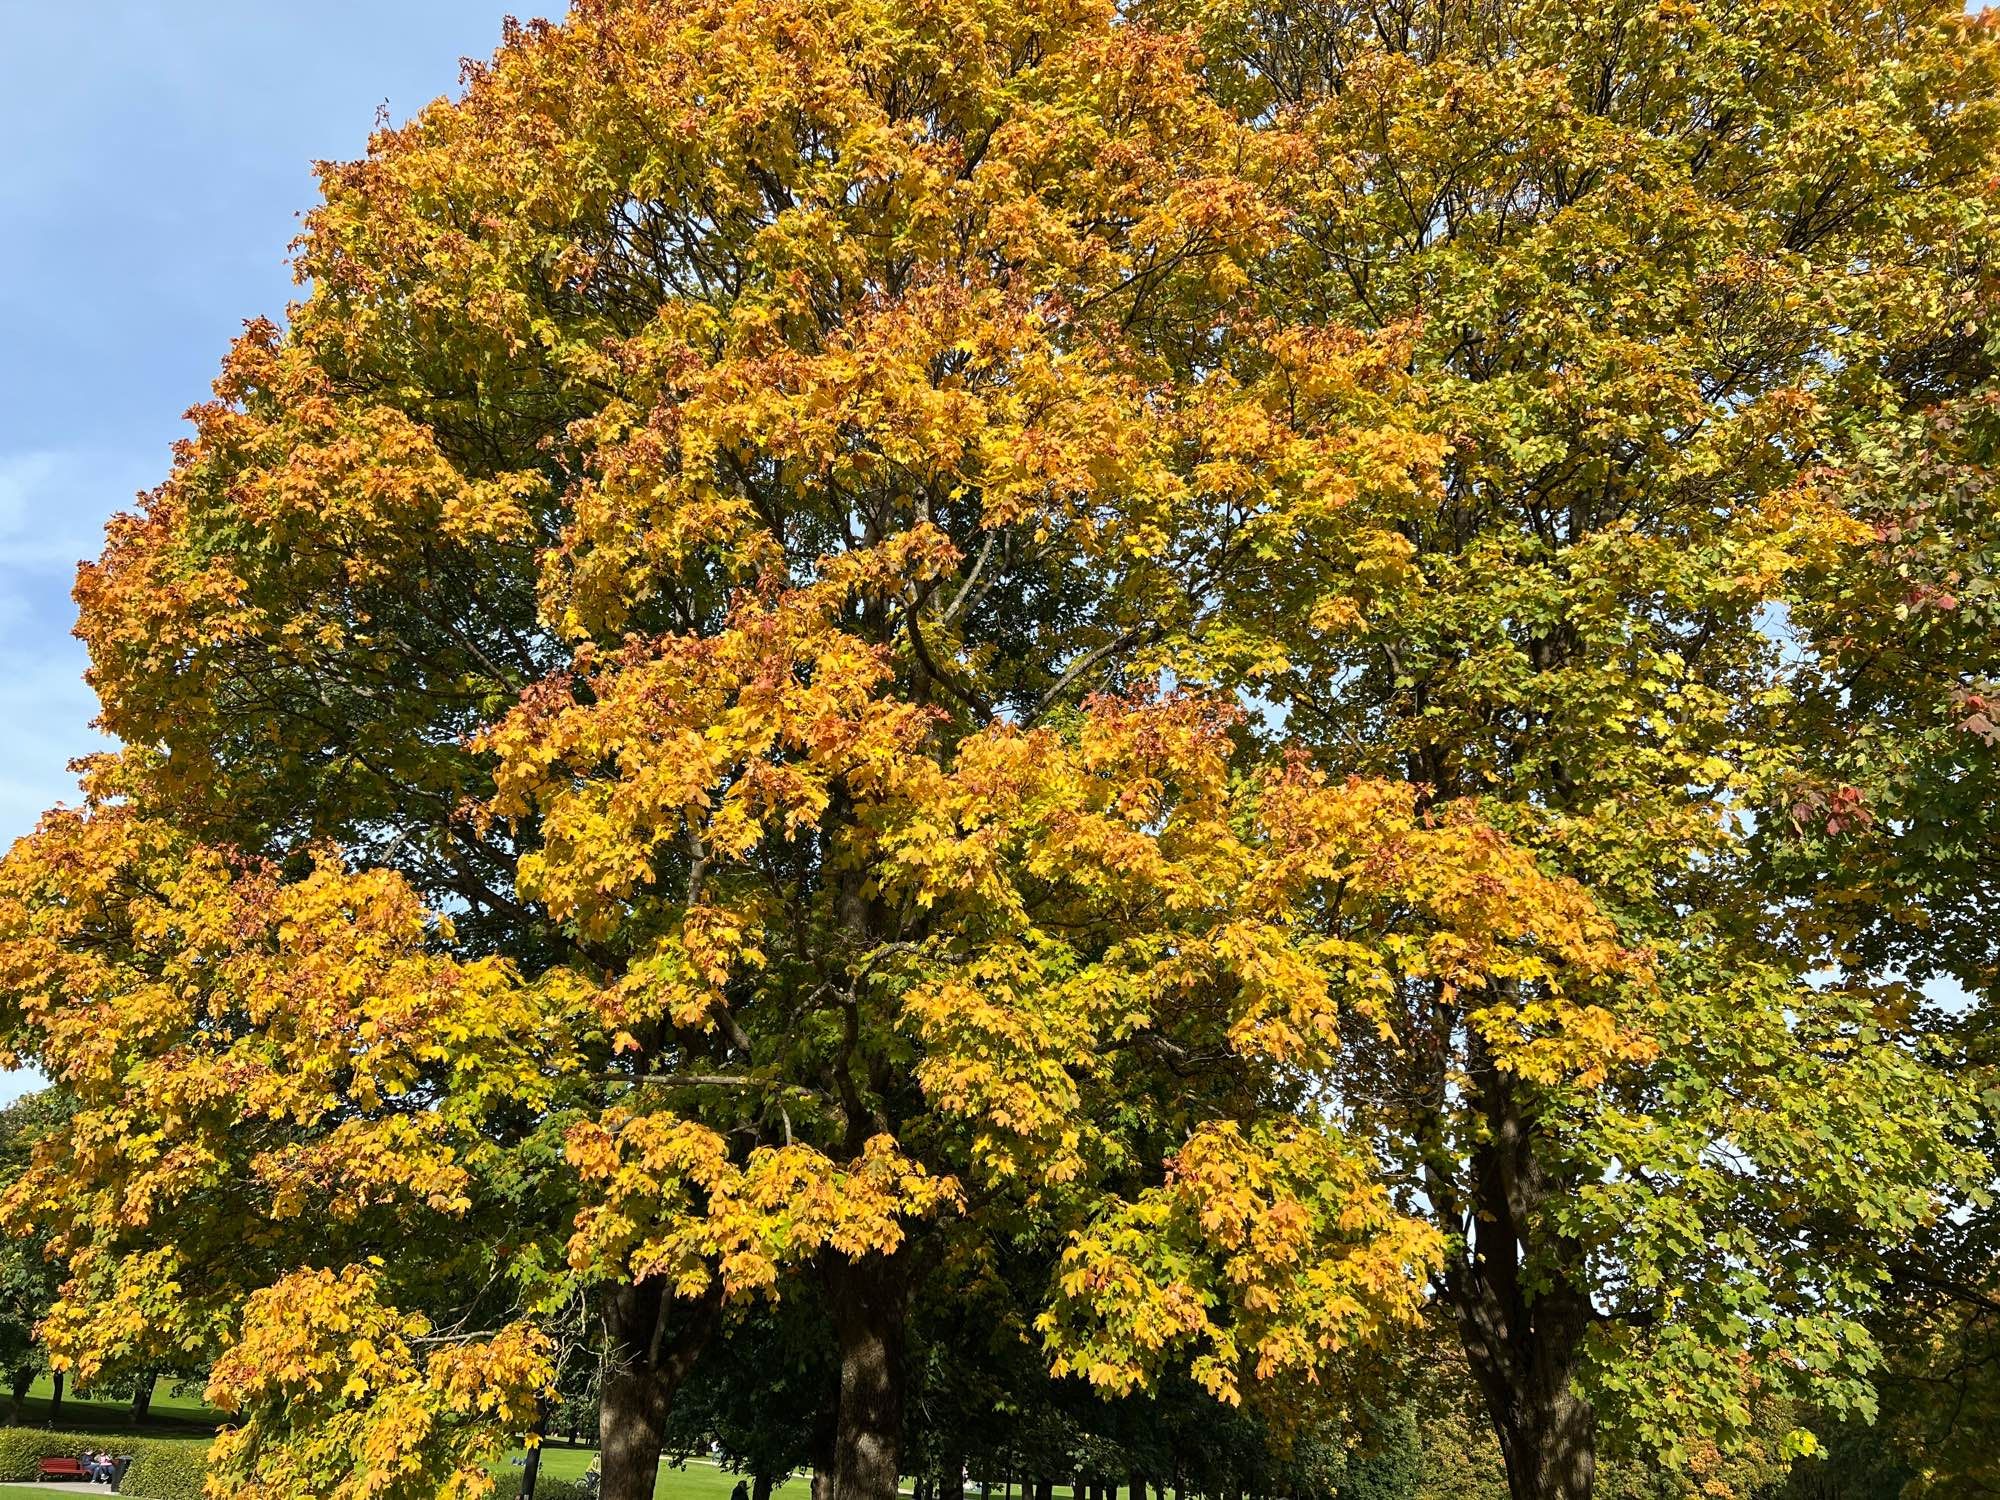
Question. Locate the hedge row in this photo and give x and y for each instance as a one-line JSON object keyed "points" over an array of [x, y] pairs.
{"points": [[162, 1468], [20, 1447]]}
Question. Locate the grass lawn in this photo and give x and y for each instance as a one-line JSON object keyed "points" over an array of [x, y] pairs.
{"points": [[172, 1413], [175, 1415], [697, 1481]]}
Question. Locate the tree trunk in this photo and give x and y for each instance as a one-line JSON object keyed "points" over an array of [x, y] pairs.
{"points": [[531, 1470], [55, 1394], [631, 1431], [1523, 1335], [826, 1423], [644, 1365], [1526, 1370], [951, 1478], [1548, 1437], [142, 1396], [869, 1300], [760, 1486], [22, 1380]]}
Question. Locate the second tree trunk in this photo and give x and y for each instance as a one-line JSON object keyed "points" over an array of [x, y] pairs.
{"points": [[645, 1362], [869, 1300]]}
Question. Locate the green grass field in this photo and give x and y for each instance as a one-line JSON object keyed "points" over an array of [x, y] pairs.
{"points": [[696, 1481], [172, 1411], [176, 1414]]}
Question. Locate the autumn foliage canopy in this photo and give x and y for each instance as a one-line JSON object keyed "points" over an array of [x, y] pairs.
{"points": [[1249, 654]]}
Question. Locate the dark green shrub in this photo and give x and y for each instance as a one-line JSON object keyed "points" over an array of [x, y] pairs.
{"points": [[20, 1447], [163, 1470], [558, 1489]]}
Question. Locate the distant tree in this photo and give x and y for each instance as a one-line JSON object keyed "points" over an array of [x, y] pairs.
{"points": [[1859, 1461], [761, 1393], [29, 1279]]}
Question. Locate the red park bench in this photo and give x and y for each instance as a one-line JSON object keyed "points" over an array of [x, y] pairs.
{"points": [[61, 1468]]}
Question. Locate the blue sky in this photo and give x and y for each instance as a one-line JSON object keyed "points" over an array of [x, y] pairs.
{"points": [[157, 157]]}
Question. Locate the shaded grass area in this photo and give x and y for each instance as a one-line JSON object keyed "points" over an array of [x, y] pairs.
{"points": [[193, 1423], [696, 1481], [173, 1414], [176, 1415]]}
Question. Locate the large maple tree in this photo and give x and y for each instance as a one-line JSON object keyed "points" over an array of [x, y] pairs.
{"points": [[662, 654], [1697, 302]]}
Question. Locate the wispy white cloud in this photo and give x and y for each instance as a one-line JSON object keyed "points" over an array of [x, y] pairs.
{"points": [[45, 714], [53, 504], [52, 509]]}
